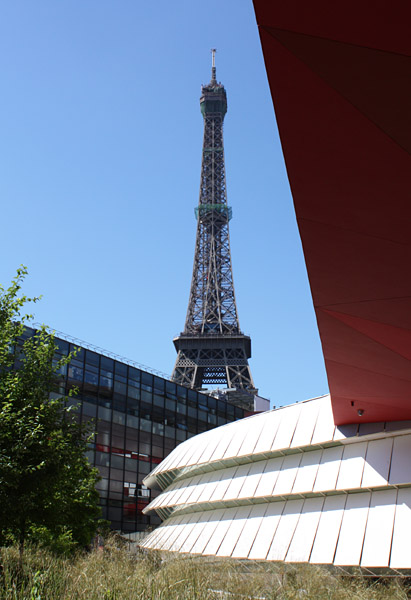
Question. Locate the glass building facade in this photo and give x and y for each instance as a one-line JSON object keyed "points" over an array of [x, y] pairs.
{"points": [[139, 418]]}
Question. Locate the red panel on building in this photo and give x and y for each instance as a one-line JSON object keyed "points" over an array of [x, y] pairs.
{"points": [[340, 78]]}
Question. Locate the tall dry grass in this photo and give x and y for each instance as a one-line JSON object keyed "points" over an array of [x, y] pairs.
{"points": [[115, 574]]}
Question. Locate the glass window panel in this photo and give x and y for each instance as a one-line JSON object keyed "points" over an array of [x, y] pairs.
{"points": [[89, 409], [133, 407], [239, 412], [102, 459], [158, 400], [156, 451], [157, 440], [132, 421], [90, 378], [181, 435], [159, 384], [133, 393], [182, 394], [144, 436], [134, 373], [131, 464], [119, 417], [146, 378], [221, 421], [104, 413], [212, 403], [192, 412], [145, 410], [79, 352], [92, 358], [75, 373], [171, 388], [62, 346], [158, 428], [146, 396], [170, 432], [181, 408], [144, 467], [107, 363], [121, 369], [145, 425], [202, 399], [202, 415], [120, 388], [117, 462], [170, 404]]}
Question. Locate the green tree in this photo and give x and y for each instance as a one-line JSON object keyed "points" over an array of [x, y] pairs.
{"points": [[47, 487]]}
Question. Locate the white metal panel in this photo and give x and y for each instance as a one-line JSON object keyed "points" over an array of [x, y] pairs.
{"points": [[249, 532], [203, 440], [306, 423], [288, 424], [351, 538], [352, 466], [226, 436], [328, 530], [303, 538], [378, 533], [256, 425], [181, 533], [285, 530], [184, 492], [377, 463], [189, 535], [209, 488], [234, 531], [175, 493], [167, 531], [237, 482], [200, 487], [307, 471], [269, 478], [401, 464], [272, 421], [180, 454], [400, 552], [195, 532], [329, 468], [267, 530], [220, 531], [287, 475], [253, 478], [208, 531], [222, 485], [324, 428], [214, 440], [194, 489], [241, 431]]}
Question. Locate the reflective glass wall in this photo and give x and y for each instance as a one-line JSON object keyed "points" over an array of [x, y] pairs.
{"points": [[138, 418]]}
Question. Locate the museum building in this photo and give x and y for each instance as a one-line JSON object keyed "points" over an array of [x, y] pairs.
{"points": [[139, 418]]}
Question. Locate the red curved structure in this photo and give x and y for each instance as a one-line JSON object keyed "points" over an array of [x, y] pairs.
{"points": [[340, 78]]}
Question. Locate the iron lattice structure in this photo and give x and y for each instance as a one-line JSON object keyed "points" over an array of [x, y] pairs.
{"points": [[212, 349]]}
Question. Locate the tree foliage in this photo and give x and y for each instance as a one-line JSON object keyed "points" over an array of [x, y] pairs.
{"points": [[47, 487]]}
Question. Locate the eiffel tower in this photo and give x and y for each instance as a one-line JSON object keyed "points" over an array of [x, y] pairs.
{"points": [[212, 350]]}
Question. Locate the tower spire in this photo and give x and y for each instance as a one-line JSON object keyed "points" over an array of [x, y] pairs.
{"points": [[213, 68], [212, 349]]}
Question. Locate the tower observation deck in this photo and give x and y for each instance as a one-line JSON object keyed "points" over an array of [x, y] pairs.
{"points": [[212, 350]]}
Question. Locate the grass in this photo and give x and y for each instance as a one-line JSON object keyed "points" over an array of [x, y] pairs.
{"points": [[115, 574]]}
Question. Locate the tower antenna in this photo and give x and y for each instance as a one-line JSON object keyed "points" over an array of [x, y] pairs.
{"points": [[213, 69]]}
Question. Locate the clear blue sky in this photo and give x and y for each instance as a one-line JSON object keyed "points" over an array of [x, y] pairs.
{"points": [[100, 156]]}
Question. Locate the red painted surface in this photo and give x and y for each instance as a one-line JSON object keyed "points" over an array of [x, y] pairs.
{"points": [[340, 78]]}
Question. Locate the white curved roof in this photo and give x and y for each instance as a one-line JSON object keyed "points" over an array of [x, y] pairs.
{"points": [[288, 485]]}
